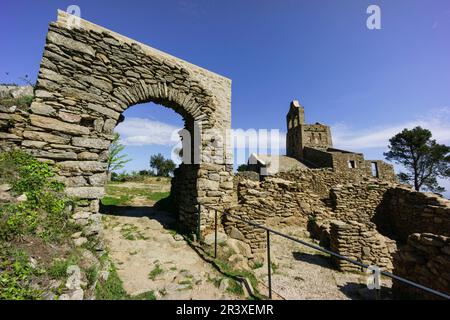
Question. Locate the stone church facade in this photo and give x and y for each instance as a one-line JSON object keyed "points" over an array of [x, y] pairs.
{"points": [[312, 146]]}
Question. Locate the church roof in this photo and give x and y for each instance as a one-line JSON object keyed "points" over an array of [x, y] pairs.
{"points": [[276, 163]]}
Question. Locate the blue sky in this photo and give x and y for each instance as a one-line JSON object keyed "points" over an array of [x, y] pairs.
{"points": [[366, 84]]}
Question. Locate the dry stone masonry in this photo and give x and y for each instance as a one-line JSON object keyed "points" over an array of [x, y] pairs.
{"points": [[425, 259], [87, 78], [365, 219]]}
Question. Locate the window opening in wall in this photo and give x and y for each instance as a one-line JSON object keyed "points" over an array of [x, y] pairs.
{"points": [[374, 167], [352, 164]]}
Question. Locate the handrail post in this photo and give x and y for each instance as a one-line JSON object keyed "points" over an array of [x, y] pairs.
{"points": [[269, 265], [198, 223], [215, 233]]}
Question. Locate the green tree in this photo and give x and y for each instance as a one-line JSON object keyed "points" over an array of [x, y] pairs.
{"points": [[243, 167], [423, 158], [116, 161], [164, 167]]}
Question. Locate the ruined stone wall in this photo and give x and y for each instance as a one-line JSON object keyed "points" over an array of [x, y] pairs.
{"points": [[341, 162], [404, 211], [426, 260], [87, 78], [385, 170], [358, 201], [353, 234], [320, 181], [272, 202], [318, 158], [296, 197], [361, 242]]}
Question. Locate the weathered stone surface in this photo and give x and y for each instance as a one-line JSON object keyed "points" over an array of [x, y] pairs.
{"points": [[5, 197], [53, 124], [68, 43], [97, 179], [8, 92], [82, 166], [87, 156], [69, 117], [44, 136], [5, 187], [109, 126], [422, 260], [80, 241], [91, 143], [33, 144], [86, 192], [42, 109], [240, 247], [55, 154], [99, 83], [106, 111], [210, 238]]}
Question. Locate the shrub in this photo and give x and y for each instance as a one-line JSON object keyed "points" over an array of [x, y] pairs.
{"points": [[44, 212], [15, 276]]}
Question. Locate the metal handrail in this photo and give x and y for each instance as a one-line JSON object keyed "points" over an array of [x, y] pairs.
{"points": [[315, 247]]}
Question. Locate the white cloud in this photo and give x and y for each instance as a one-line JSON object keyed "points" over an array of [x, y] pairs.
{"points": [[437, 121], [258, 138], [142, 131]]}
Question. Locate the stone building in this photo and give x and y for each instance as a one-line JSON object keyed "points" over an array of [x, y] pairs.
{"points": [[312, 146]]}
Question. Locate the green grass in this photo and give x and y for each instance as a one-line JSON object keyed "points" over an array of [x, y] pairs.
{"points": [[111, 289], [229, 271], [235, 288], [58, 269], [122, 196], [132, 232], [157, 196], [115, 191], [91, 275], [16, 275], [23, 101], [157, 270], [274, 267], [150, 295], [114, 201], [185, 282]]}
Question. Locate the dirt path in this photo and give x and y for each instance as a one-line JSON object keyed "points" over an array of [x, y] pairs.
{"points": [[305, 274], [151, 257]]}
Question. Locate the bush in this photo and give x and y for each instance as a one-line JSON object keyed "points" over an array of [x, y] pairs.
{"points": [[44, 212], [24, 101], [15, 276]]}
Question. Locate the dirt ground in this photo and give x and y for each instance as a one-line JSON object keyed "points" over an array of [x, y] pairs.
{"points": [[149, 256]]}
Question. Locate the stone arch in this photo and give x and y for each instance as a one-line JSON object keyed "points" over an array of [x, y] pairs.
{"points": [[88, 76]]}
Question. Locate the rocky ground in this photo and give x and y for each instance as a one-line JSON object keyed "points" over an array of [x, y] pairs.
{"points": [[302, 273], [150, 256]]}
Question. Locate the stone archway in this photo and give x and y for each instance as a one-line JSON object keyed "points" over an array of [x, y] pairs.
{"points": [[88, 76]]}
